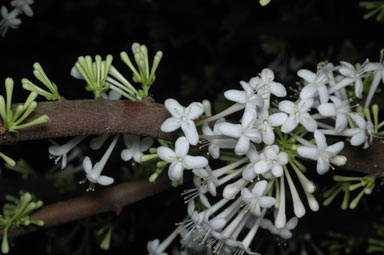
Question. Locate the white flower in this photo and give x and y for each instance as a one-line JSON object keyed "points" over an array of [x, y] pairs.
{"points": [[338, 108], [349, 70], [266, 122], [183, 117], [273, 160], [256, 200], [265, 86], [179, 159], [216, 144], [209, 179], [244, 131], [298, 113], [363, 134], [153, 248], [284, 232], [135, 147], [24, 6], [246, 97], [323, 154], [94, 172], [10, 20], [61, 151], [316, 85], [248, 173]]}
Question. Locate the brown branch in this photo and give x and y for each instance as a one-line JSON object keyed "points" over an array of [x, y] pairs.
{"points": [[113, 198], [85, 117]]}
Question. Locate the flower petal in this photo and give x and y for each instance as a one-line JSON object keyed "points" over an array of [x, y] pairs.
{"points": [[191, 162], [229, 129], [307, 121], [126, 154], [190, 132], [338, 160], [87, 164], [170, 124], [175, 171], [327, 109], [277, 170], [242, 145], [278, 89], [341, 122], [145, 143], [287, 106], [322, 165], [360, 121], [237, 96], [166, 154], [105, 180], [259, 188], [267, 75], [290, 124], [174, 107], [181, 146], [308, 92], [283, 158], [336, 148], [194, 110], [358, 138], [320, 140], [306, 75], [277, 119], [308, 152], [261, 167], [267, 202]]}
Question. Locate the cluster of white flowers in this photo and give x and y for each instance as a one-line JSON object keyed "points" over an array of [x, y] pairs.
{"points": [[10, 18], [262, 151]]}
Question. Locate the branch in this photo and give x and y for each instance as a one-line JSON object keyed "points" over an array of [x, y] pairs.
{"points": [[86, 117], [113, 198]]}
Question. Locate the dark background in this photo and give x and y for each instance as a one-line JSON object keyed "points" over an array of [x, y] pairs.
{"points": [[208, 46]]}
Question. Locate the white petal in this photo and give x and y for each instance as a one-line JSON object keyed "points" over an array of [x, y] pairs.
{"points": [[336, 148], [126, 154], [174, 107], [308, 92], [278, 89], [170, 124], [268, 136], [261, 167], [214, 150], [323, 94], [322, 166], [248, 118], [283, 158], [271, 152], [277, 170], [204, 200], [200, 172], [217, 224], [129, 140], [246, 194], [194, 110], [246, 87], [145, 143], [229, 129], [327, 110], [191, 162], [290, 124], [305, 104], [181, 146], [175, 171], [358, 120], [320, 140], [190, 132], [307, 121], [306, 75], [267, 75], [267, 202], [105, 180], [254, 134], [287, 106], [277, 119], [341, 122], [358, 138], [87, 164], [285, 233], [166, 154], [207, 130], [308, 152], [292, 223], [76, 74], [259, 188], [237, 96], [338, 160], [348, 72], [242, 145], [137, 156]]}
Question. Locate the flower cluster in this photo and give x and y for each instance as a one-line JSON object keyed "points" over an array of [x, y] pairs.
{"points": [[262, 152], [10, 18]]}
